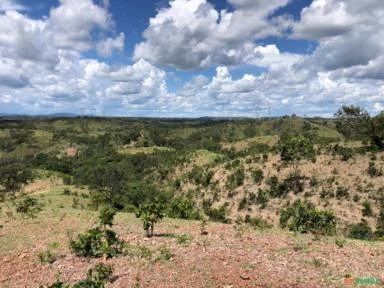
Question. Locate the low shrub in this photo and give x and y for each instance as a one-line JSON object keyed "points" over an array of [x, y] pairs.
{"points": [[217, 214], [258, 176], [367, 209], [183, 209], [257, 222], [303, 217], [361, 231], [29, 206], [97, 277], [95, 243], [47, 256], [98, 241]]}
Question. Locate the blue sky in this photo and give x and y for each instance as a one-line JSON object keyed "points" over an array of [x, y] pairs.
{"points": [[191, 58]]}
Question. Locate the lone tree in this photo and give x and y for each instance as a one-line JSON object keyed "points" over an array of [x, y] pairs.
{"points": [[352, 121], [355, 123], [150, 213], [107, 183], [293, 149]]}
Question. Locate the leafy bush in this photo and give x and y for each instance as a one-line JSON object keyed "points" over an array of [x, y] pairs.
{"points": [[200, 176], [47, 256], [360, 231], [165, 254], [183, 239], [303, 217], [217, 214], [182, 208], [367, 209], [150, 213], [236, 179], [340, 242], [373, 171], [95, 243], [294, 182], [257, 222], [345, 153], [98, 241], [97, 277], [380, 224], [29, 206], [106, 216], [342, 192], [258, 176], [277, 189]]}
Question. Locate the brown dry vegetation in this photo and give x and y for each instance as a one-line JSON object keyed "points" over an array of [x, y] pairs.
{"points": [[330, 172]]}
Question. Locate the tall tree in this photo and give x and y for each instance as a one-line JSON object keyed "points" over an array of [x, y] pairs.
{"points": [[352, 121]]}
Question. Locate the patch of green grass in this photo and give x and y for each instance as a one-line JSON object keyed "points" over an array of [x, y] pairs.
{"points": [[183, 240]]}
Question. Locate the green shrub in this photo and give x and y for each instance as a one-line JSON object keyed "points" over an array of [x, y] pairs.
{"points": [[342, 192], [243, 204], [367, 209], [217, 214], [182, 208], [75, 203], [29, 206], [258, 176], [67, 180], [164, 254], [257, 222], [150, 213], [380, 224], [183, 239], [262, 198], [360, 231], [97, 277], [373, 171], [200, 176], [313, 182], [95, 243], [277, 189], [47, 256], [294, 182], [98, 241], [67, 192], [340, 242], [106, 216], [303, 217], [236, 179]]}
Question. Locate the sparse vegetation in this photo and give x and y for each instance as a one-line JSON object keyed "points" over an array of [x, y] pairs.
{"points": [[29, 206], [97, 277], [252, 173]]}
